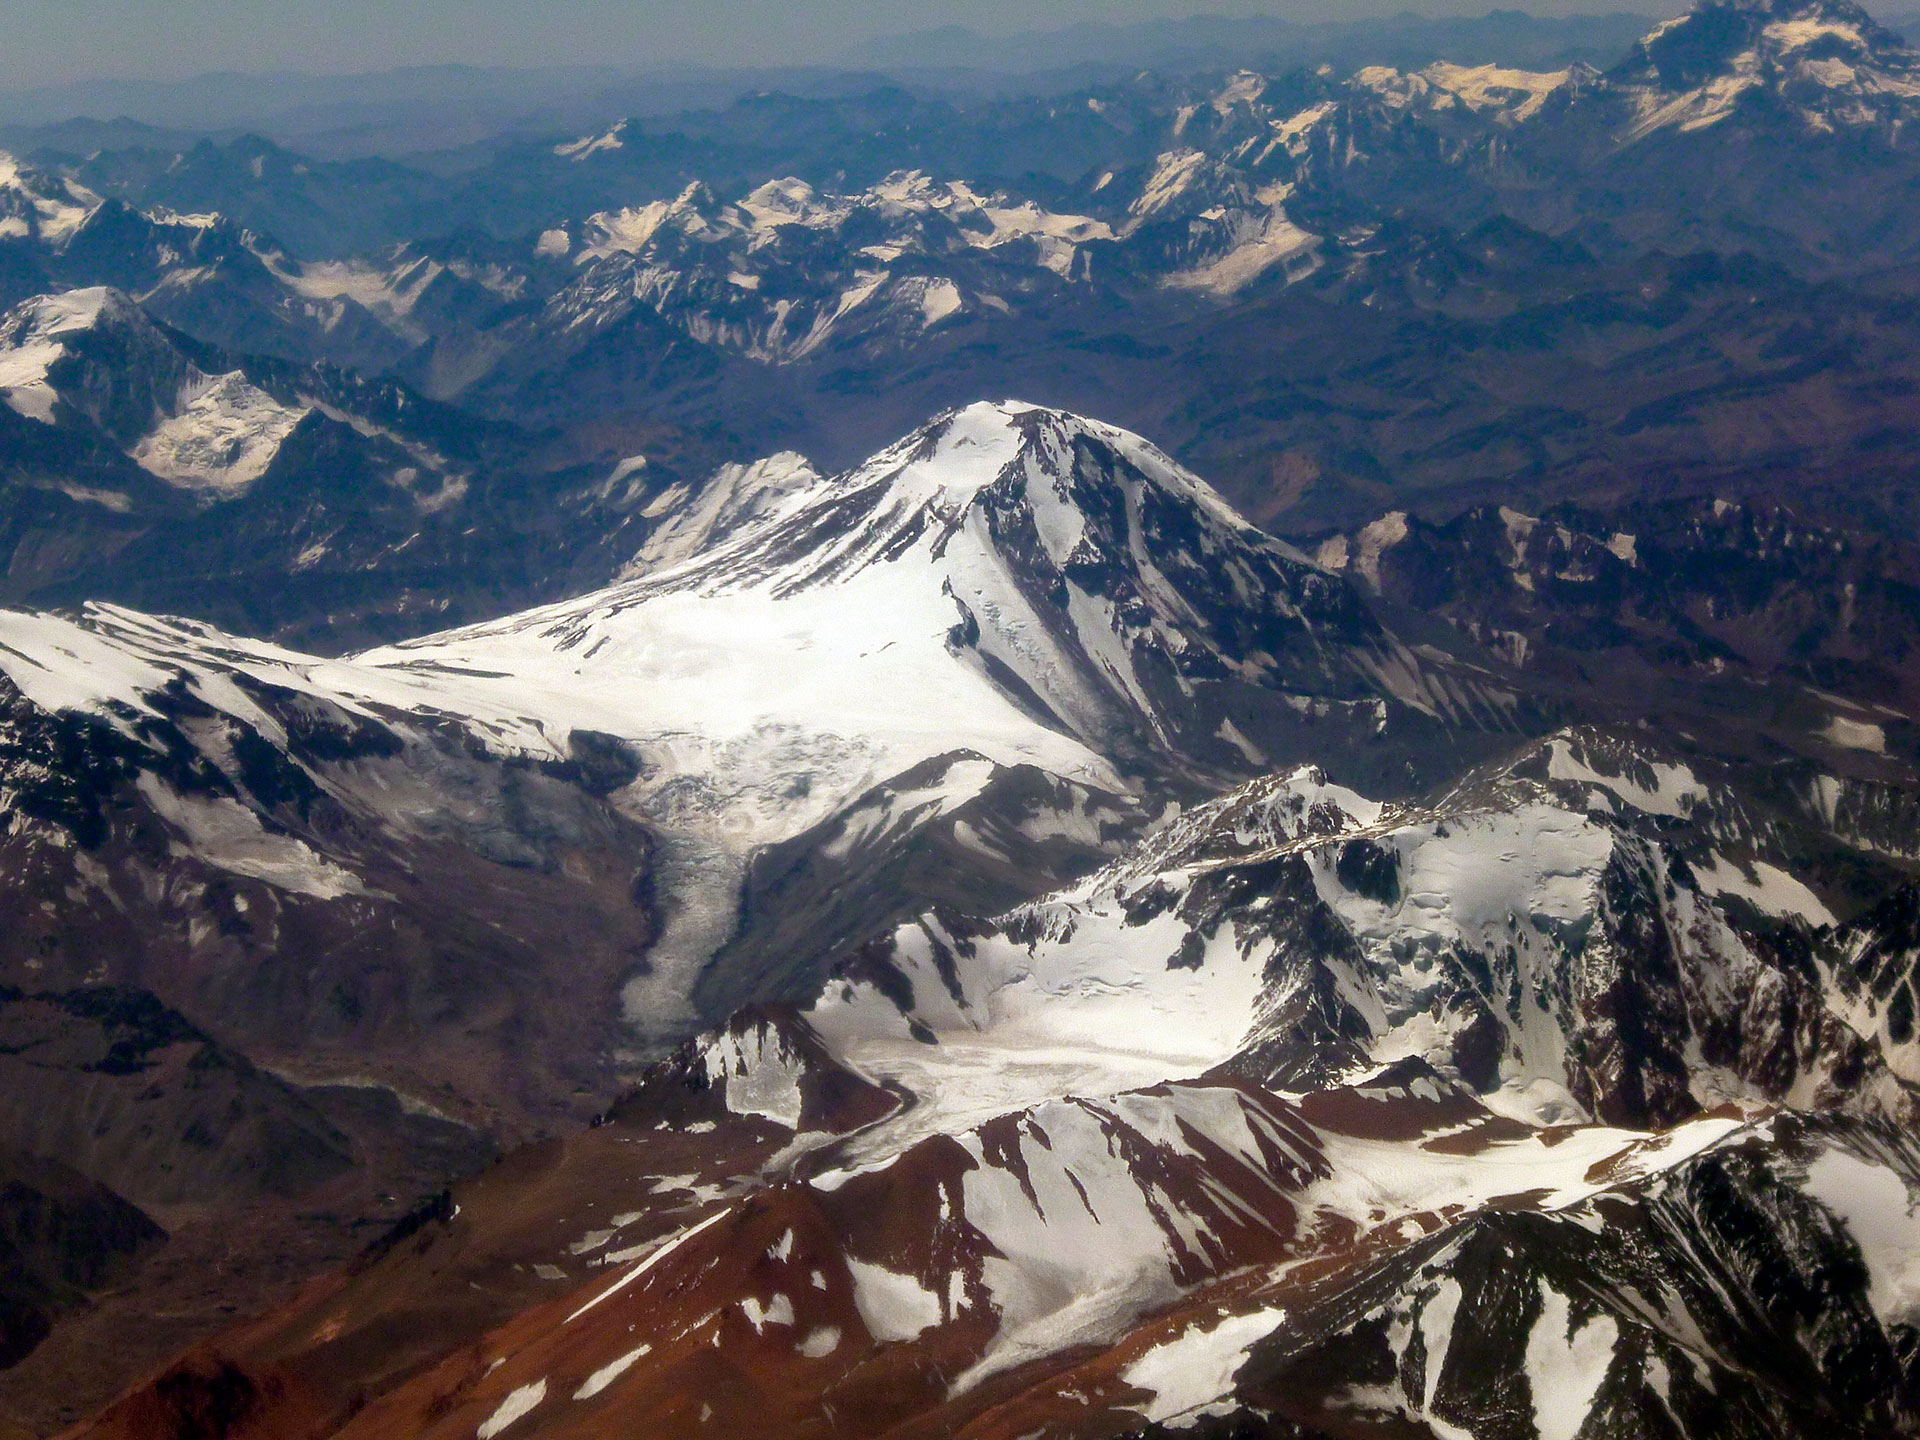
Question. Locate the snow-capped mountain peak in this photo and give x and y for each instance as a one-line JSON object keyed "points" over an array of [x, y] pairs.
{"points": [[1506, 95], [587, 146], [845, 662], [45, 207], [95, 355], [752, 274], [1018, 571], [1827, 61], [36, 334], [985, 455]]}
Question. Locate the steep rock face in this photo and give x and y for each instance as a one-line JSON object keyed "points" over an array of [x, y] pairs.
{"points": [[1727, 1296], [1702, 591], [919, 838], [155, 1181], [1873, 972], [225, 284], [766, 1062], [39, 206], [93, 351], [132, 1095]]}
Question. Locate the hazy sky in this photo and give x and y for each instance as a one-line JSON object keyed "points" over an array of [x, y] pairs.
{"points": [[49, 41]]}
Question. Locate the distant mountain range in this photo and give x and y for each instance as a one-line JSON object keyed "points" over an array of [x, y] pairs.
{"points": [[1407, 41], [429, 108]]}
